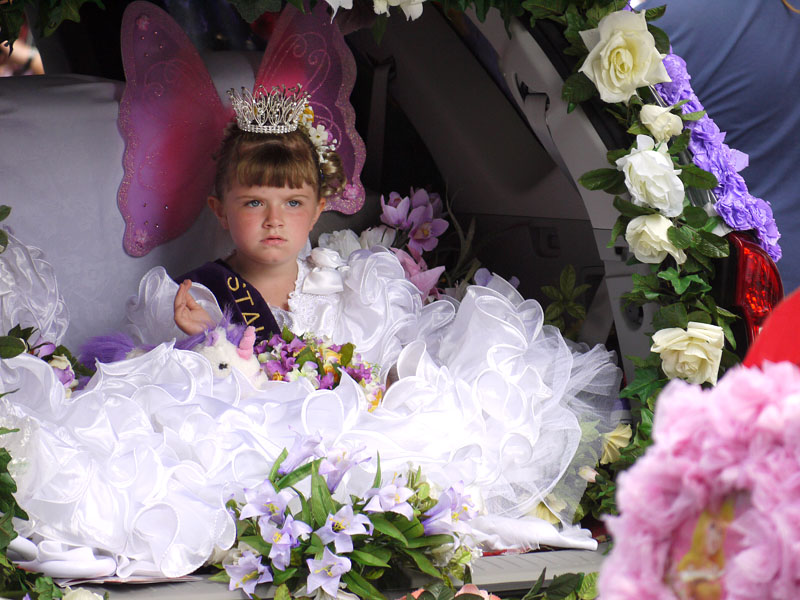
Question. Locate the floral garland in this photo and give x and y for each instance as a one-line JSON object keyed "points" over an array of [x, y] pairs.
{"points": [[314, 545]]}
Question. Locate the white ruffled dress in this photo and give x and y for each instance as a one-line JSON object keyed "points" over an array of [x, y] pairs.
{"points": [[116, 477]]}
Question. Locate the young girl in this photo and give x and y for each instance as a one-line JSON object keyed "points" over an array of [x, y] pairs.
{"points": [[270, 189]]}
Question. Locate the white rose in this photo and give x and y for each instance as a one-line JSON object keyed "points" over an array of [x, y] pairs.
{"points": [[652, 178], [647, 237], [622, 56], [660, 122], [411, 8], [377, 236], [344, 241], [693, 354], [81, 594]]}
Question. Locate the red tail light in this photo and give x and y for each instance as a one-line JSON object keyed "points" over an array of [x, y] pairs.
{"points": [[758, 285]]}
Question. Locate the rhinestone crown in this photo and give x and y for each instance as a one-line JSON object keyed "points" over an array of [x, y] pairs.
{"points": [[276, 111]]}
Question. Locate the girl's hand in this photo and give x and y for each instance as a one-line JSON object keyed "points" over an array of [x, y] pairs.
{"points": [[190, 317]]}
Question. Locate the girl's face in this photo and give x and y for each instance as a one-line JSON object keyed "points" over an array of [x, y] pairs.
{"points": [[269, 225]]}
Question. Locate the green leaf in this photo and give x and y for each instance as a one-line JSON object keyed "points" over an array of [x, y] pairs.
{"points": [[700, 316], [695, 216], [251, 10], [7, 532], [576, 311], [645, 382], [551, 292], [620, 225], [694, 176], [221, 577], [712, 245], [380, 552], [661, 38], [367, 559], [601, 179], [629, 209], [321, 501], [279, 577], [693, 116], [614, 155], [430, 540], [347, 354], [680, 143], [376, 482], [385, 527], [294, 477], [534, 591], [273, 472], [11, 346], [563, 585], [567, 281], [577, 88], [651, 14], [638, 129], [673, 315], [682, 283], [257, 543], [553, 311], [410, 529], [5, 210], [66, 10], [422, 562], [361, 587], [45, 589], [3, 240], [680, 237]]}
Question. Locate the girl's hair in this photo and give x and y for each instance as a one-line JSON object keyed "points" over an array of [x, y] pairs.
{"points": [[275, 160]]}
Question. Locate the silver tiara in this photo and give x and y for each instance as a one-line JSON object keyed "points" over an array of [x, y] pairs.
{"points": [[281, 110], [276, 111]]}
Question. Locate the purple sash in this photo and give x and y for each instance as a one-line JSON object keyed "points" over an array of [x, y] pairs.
{"points": [[235, 294]]}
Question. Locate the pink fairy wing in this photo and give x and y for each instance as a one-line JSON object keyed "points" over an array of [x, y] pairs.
{"points": [[310, 50], [172, 121]]}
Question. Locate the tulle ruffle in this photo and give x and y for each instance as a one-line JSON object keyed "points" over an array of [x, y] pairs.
{"points": [[29, 293], [486, 395]]}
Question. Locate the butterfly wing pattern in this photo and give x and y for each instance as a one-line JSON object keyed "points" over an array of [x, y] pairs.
{"points": [[172, 121], [308, 49]]}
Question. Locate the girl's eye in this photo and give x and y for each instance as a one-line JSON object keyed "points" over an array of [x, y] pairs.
{"points": [[294, 203], [254, 203]]}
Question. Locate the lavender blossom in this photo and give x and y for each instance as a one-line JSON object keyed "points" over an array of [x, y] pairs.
{"points": [[327, 572], [247, 573], [390, 498], [340, 527], [453, 507], [425, 228], [338, 462], [264, 501], [304, 447], [283, 539], [395, 212]]}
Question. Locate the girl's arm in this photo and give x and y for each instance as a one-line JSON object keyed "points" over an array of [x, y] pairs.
{"points": [[190, 317]]}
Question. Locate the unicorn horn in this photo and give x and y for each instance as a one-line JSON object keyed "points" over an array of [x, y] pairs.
{"points": [[245, 349]]}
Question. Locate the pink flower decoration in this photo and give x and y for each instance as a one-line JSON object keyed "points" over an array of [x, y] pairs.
{"points": [[425, 229], [417, 271], [395, 212], [713, 508]]}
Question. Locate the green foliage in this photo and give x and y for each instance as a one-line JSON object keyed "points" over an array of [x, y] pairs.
{"points": [[51, 13], [395, 541], [566, 311]]}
